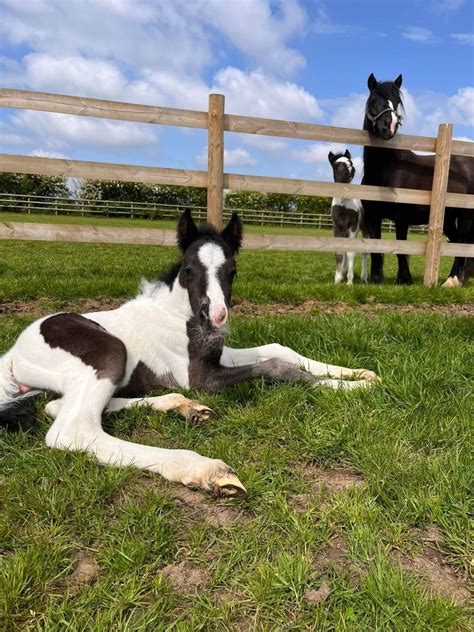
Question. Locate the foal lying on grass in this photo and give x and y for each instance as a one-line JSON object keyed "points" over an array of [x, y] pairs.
{"points": [[171, 335]]}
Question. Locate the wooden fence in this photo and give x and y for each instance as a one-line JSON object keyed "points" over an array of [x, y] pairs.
{"points": [[217, 122], [38, 204]]}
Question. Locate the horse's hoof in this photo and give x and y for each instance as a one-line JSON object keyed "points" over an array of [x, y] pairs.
{"points": [[223, 481], [404, 281], [452, 282], [376, 280], [196, 413], [368, 376]]}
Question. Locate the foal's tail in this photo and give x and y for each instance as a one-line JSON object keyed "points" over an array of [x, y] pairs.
{"points": [[16, 409]]}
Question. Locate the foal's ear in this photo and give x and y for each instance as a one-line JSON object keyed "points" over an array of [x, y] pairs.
{"points": [[331, 157], [347, 154], [232, 233], [398, 81], [372, 82], [187, 230]]}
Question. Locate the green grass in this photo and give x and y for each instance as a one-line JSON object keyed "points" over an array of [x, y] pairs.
{"points": [[410, 438]]}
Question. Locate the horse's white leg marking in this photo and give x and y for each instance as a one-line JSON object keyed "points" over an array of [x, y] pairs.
{"points": [[350, 260], [241, 357], [452, 282], [363, 274], [78, 427], [189, 408], [339, 268]]}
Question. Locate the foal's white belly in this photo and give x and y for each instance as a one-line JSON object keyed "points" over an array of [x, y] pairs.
{"points": [[150, 336]]}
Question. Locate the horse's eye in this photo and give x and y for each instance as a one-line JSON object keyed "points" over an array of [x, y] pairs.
{"points": [[188, 272], [233, 274]]}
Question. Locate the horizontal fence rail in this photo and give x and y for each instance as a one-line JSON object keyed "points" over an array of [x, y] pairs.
{"points": [[216, 121]]}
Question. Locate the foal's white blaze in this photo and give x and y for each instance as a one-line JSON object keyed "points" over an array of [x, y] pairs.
{"points": [[346, 160], [212, 257], [393, 124]]}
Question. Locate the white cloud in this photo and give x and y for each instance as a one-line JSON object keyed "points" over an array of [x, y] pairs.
{"points": [[418, 34], [461, 106], [323, 25], [347, 111], [446, 6], [257, 94], [317, 152], [57, 131], [41, 153], [464, 38], [256, 31], [237, 157]]}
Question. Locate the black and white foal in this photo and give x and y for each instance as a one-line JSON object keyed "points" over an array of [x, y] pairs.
{"points": [[347, 218], [171, 335]]}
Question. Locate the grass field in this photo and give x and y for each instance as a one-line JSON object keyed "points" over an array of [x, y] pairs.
{"points": [[358, 509]]}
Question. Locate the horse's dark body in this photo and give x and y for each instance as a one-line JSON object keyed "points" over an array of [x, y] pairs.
{"points": [[405, 169]]}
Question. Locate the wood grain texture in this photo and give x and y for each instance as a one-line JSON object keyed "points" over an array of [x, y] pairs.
{"points": [[215, 168]]}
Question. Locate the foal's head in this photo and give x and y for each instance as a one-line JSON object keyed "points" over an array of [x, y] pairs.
{"points": [[208, 267], [384, 107], [342, 166]]}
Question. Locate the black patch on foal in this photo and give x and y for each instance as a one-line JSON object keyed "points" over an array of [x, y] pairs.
{"points": [[88, 341], [144, 380]]}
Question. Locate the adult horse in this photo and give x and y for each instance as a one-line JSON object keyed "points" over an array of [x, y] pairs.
{"points": [[170, 335], [405, 169]]}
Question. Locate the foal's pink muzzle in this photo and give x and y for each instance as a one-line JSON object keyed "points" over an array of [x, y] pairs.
{"points": [[219, 316]]}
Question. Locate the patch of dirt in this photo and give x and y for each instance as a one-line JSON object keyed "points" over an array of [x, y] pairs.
{"points": [[44, 306], [184, 577], [334, 481], [430, 564], [216, 514], [334, 555], [315, 596], [86, 572], [242, 306], [228, 597]]}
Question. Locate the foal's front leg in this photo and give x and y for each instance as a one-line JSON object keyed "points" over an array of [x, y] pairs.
{"points": [[240, 357]]}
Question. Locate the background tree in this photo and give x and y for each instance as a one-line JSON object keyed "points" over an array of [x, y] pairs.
{"points": [[31, 184]]}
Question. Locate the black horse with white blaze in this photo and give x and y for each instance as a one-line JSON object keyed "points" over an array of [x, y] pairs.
{"points": [[405, 169], [170, 335]]}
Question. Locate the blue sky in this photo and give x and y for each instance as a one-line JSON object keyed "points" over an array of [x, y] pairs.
{"points": [[291, 59]]}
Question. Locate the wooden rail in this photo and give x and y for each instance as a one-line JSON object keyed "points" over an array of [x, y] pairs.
{"points": [[217, 122]]}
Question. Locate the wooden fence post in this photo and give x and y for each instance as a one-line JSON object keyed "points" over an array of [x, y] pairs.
{"points": [[215, 164], [437, 206]]}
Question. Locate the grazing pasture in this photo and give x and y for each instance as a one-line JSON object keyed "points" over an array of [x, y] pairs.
{"points": [[357, 513]]}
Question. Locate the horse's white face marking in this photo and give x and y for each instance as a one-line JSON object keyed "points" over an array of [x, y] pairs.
{"points": [[212, 257], [393, 124], [346, 160]]}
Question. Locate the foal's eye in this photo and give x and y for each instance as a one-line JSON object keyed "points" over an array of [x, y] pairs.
{"points": [[233, 274], [188, 272]]}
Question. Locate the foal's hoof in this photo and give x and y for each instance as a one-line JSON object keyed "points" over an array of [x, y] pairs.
{"points": [[368, 376], [196, 413], [223, 481]]}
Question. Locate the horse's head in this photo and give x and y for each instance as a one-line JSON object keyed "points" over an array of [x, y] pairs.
{"points": [[342, 166], [384, 107], [208, 267]]}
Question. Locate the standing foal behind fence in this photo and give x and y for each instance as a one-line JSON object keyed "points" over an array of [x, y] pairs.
{"points": [[347, 218], [171, 335]]}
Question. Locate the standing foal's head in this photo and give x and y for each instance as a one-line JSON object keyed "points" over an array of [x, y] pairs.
{"points": [[208, 267], [342, 166], [384, 107]]}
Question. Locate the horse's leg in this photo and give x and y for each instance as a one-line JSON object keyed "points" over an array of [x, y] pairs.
{"points": [[374, 230], [460, 231], [190, 409], [350, 259], [363, 274], [244, 357], [272, 369], [78, 427], [403, 275], [339, 267]]}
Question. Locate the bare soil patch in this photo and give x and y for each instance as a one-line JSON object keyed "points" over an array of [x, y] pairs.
{"points": [[184, 577], [430, 564], [85, 573], [44, 306], [333, 481], [335, 555], [197, 506], [315, 596], [242, 306]]}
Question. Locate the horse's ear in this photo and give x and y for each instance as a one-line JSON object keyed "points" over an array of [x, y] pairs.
{"points": [[372, 82], [398, 81], [232, 233], [347, 154], [187, 230], [331, 157]]}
